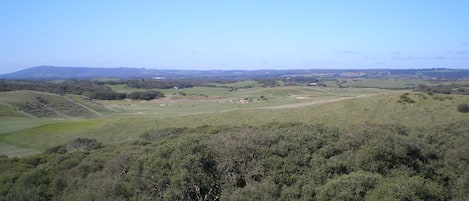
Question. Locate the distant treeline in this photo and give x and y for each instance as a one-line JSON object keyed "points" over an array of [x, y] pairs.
{"points": [[445, 89], [288, 81], [439, 73], [94, 90], [168, 83], [154, 84]]}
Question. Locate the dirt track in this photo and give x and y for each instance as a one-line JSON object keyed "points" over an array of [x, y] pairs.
{"points": [[316, 102]]}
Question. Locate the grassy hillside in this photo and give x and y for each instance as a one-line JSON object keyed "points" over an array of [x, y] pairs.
{"points": [[295, 143], [123, 126], [40, 104], [7, 111]]}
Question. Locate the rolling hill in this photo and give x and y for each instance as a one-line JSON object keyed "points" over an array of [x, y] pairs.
{"points": [[40, 104], [54, 72]]}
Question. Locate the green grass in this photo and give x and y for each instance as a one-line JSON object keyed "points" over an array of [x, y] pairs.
{"points": [[6, 111], [46, 135], [197, 91], [240, 84], [380, 83], [338, 107], [11, 124], [122, 88], [92, 104], [41, 104], [218, 100]]}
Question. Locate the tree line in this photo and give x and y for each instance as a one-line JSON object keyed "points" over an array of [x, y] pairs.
{"points": [[91, 89]]}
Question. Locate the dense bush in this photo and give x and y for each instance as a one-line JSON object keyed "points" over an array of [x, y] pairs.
{"points": [[444, 89], [407, 188], [87, 88], [352, 187], [78, 144], [278, 161], [159, 84], [268, 82], [464, 108], [145, 95]]}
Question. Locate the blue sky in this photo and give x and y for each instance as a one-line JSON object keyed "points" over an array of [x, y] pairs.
{"points": [[237, 34]]}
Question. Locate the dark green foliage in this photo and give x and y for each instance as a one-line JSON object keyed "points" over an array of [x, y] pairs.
{"points": [[404, 98], [87, 88], [351, 187], [407, 188], [145, 95], [185, 172], [161, 133], [463, 107], [78, 144], [159, 84], [277, 161], [268, 82], [444, 89]]}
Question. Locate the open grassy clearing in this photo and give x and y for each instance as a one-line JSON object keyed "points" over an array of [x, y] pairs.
{"points": [[11, 124], [221, 100], [380, 83]]}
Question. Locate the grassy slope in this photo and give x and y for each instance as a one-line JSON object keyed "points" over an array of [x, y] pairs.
{"points": [[220, 99], [7, 111], [382, 109], [122, 127], [381, 83], [41, 104]]}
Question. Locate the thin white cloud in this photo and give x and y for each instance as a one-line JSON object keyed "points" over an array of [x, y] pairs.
{"points": [[349, 52], [462, 52], [407, 58]]}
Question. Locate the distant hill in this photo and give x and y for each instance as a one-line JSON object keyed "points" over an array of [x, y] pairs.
{"points": [[54, 73]]}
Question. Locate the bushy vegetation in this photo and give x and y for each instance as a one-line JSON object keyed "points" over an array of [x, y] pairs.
{"points": [[91, 89], [404, 98], [268, 82], [463, 107], [145, 95], [445, 89], [158, 84], [87, 88], [415, 147], [276, 161]]}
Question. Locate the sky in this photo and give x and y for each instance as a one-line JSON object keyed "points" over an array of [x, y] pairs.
{"points": [[234, 34]]}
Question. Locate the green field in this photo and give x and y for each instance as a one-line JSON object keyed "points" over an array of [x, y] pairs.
{"points": [[242, 143], [118, 121]]}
